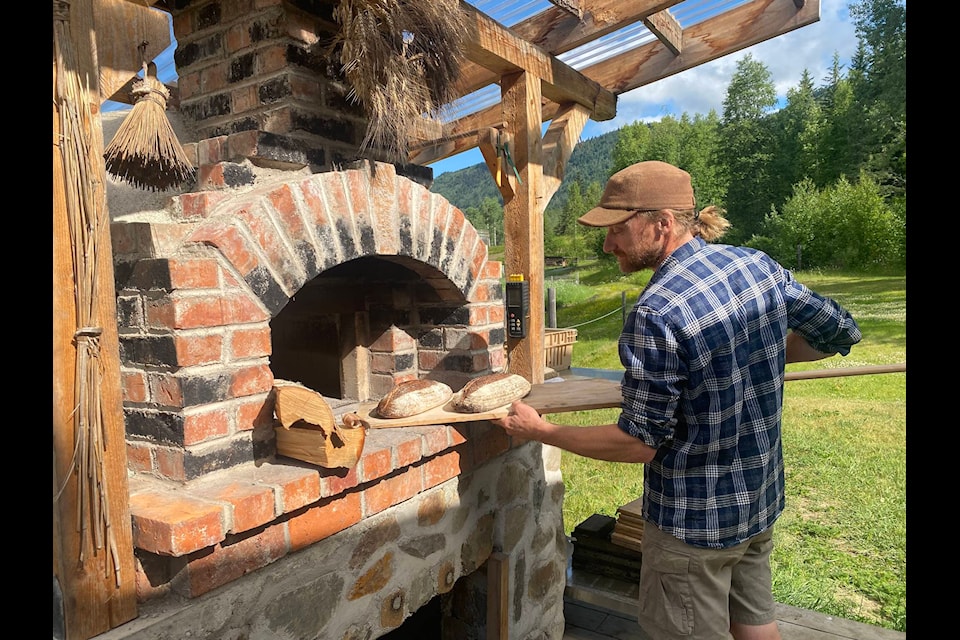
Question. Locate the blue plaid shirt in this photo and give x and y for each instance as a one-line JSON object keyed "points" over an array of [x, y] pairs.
{"points": [[703, 350]]}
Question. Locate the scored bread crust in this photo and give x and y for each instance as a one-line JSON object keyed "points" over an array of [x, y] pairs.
{"points": [[412, 397], [490, 392]]}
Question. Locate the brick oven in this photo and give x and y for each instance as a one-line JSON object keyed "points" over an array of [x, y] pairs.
{"points": [[293, 258]]}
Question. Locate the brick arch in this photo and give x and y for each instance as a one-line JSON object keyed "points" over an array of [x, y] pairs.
{"points": [[278, 237]]}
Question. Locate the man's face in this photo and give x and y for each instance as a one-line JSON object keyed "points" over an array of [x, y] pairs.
{"points": [[638, 243]]}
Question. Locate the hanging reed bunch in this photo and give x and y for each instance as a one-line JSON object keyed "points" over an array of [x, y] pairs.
{"points": [[145, 151], [401, 60], [86, 210]]}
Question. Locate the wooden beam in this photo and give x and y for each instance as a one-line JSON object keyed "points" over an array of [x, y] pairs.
{"points": [[759, 21], [572, 7], [559, 141], [737, 29], [523, 218], [493, 46], [98, 584], [557, 31], [121, 26], [498, 596], [667, 29]]}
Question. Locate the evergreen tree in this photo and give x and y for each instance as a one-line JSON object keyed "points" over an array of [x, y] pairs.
{"points": [[746, 147]]}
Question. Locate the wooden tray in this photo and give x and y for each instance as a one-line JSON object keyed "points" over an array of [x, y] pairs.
{"points": [[549, 397]]}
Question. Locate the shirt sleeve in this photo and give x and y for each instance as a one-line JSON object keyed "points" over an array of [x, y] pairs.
{"points": [[827, 326], [653, 375]]}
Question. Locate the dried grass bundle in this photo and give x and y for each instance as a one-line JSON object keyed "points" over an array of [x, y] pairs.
{"points": [[145, 151], [401, 60]]}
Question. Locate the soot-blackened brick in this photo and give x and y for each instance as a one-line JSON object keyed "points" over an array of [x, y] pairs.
{"points": [[404, 361], [330, 128], [275, 90], [151, 274], [322, 9], [237, 175], [209, 15], [217, 105], [241, 67], [158, 350], [158, 426], [197, 465], [456, 362], [345, 236], [267, 289], [498, 336], [432, 339], [196, 51], [444, 315], [197, 390]]}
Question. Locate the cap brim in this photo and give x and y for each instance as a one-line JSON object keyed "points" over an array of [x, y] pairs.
{"points": [[603, 217]]}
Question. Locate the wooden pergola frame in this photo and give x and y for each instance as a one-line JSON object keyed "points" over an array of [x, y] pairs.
{"points": [[535, 87]]}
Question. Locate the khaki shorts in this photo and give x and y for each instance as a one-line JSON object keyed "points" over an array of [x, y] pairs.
{"points": [[694, 593]]}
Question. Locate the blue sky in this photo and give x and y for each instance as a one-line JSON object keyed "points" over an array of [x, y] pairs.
{"points": [[697, 90]]}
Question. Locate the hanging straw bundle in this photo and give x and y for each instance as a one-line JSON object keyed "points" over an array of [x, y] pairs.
{"points": [[145, 151], [87, 217], [401, 60]]}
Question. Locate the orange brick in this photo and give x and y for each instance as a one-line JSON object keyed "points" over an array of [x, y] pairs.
{"points": [[324, 520], [253, 504], [392, 490], [198, 427], [409, 451], [296, 486], [375, 464], [435, 440], [253, 414], [174, 525], [138, 457], [134, 386], [195, 350], [250, 343], [335, 481], [193, 274], [229, 562], [441, 469], [251, 380]]}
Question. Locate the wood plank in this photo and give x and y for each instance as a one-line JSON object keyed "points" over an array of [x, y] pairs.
{"points": [[667, 29], [523, 218], [121, 25], [494, 47], [737, 29], [498, 596]]}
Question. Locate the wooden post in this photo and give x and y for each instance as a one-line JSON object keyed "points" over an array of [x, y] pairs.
{"points": [[98, 587], [523, 217], [498, 596]]}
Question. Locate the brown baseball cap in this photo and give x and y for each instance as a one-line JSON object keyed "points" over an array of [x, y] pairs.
{"points": [[644, 186]]}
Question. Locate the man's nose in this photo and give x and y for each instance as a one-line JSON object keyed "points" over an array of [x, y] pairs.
{"points": [[608, 244]]}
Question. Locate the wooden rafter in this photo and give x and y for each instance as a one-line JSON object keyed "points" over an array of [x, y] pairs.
{"points": [[726, 33]]}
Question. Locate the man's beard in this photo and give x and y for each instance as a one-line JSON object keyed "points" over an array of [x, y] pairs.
{"points": [[640, 259]]}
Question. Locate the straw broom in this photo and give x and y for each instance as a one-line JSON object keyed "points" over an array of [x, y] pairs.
{"points": [[145, 151]]}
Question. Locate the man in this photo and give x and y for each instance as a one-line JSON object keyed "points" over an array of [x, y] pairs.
{"points": [[704, 350]]}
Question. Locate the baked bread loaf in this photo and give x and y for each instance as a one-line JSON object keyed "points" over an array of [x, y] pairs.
{"points": [[412, 397], [490, 392]]}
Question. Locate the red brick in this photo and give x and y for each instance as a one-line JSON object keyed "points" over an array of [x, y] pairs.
{"points": [[251, 380], [375, 464], [392, 490], [138, 457], [253, 504], [165, 389], [231, 243], [227, 563], [212, 150], [174, 525], [253, 413], [170, 463], [195, 313], [198, 205], [198, 427], [251, 342], [242, 309], [296, 486], [335, 481], [441, 468], [409, 451], [324, 520], [435, 440], [193, 274], [134, 385], [198, 349]]}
